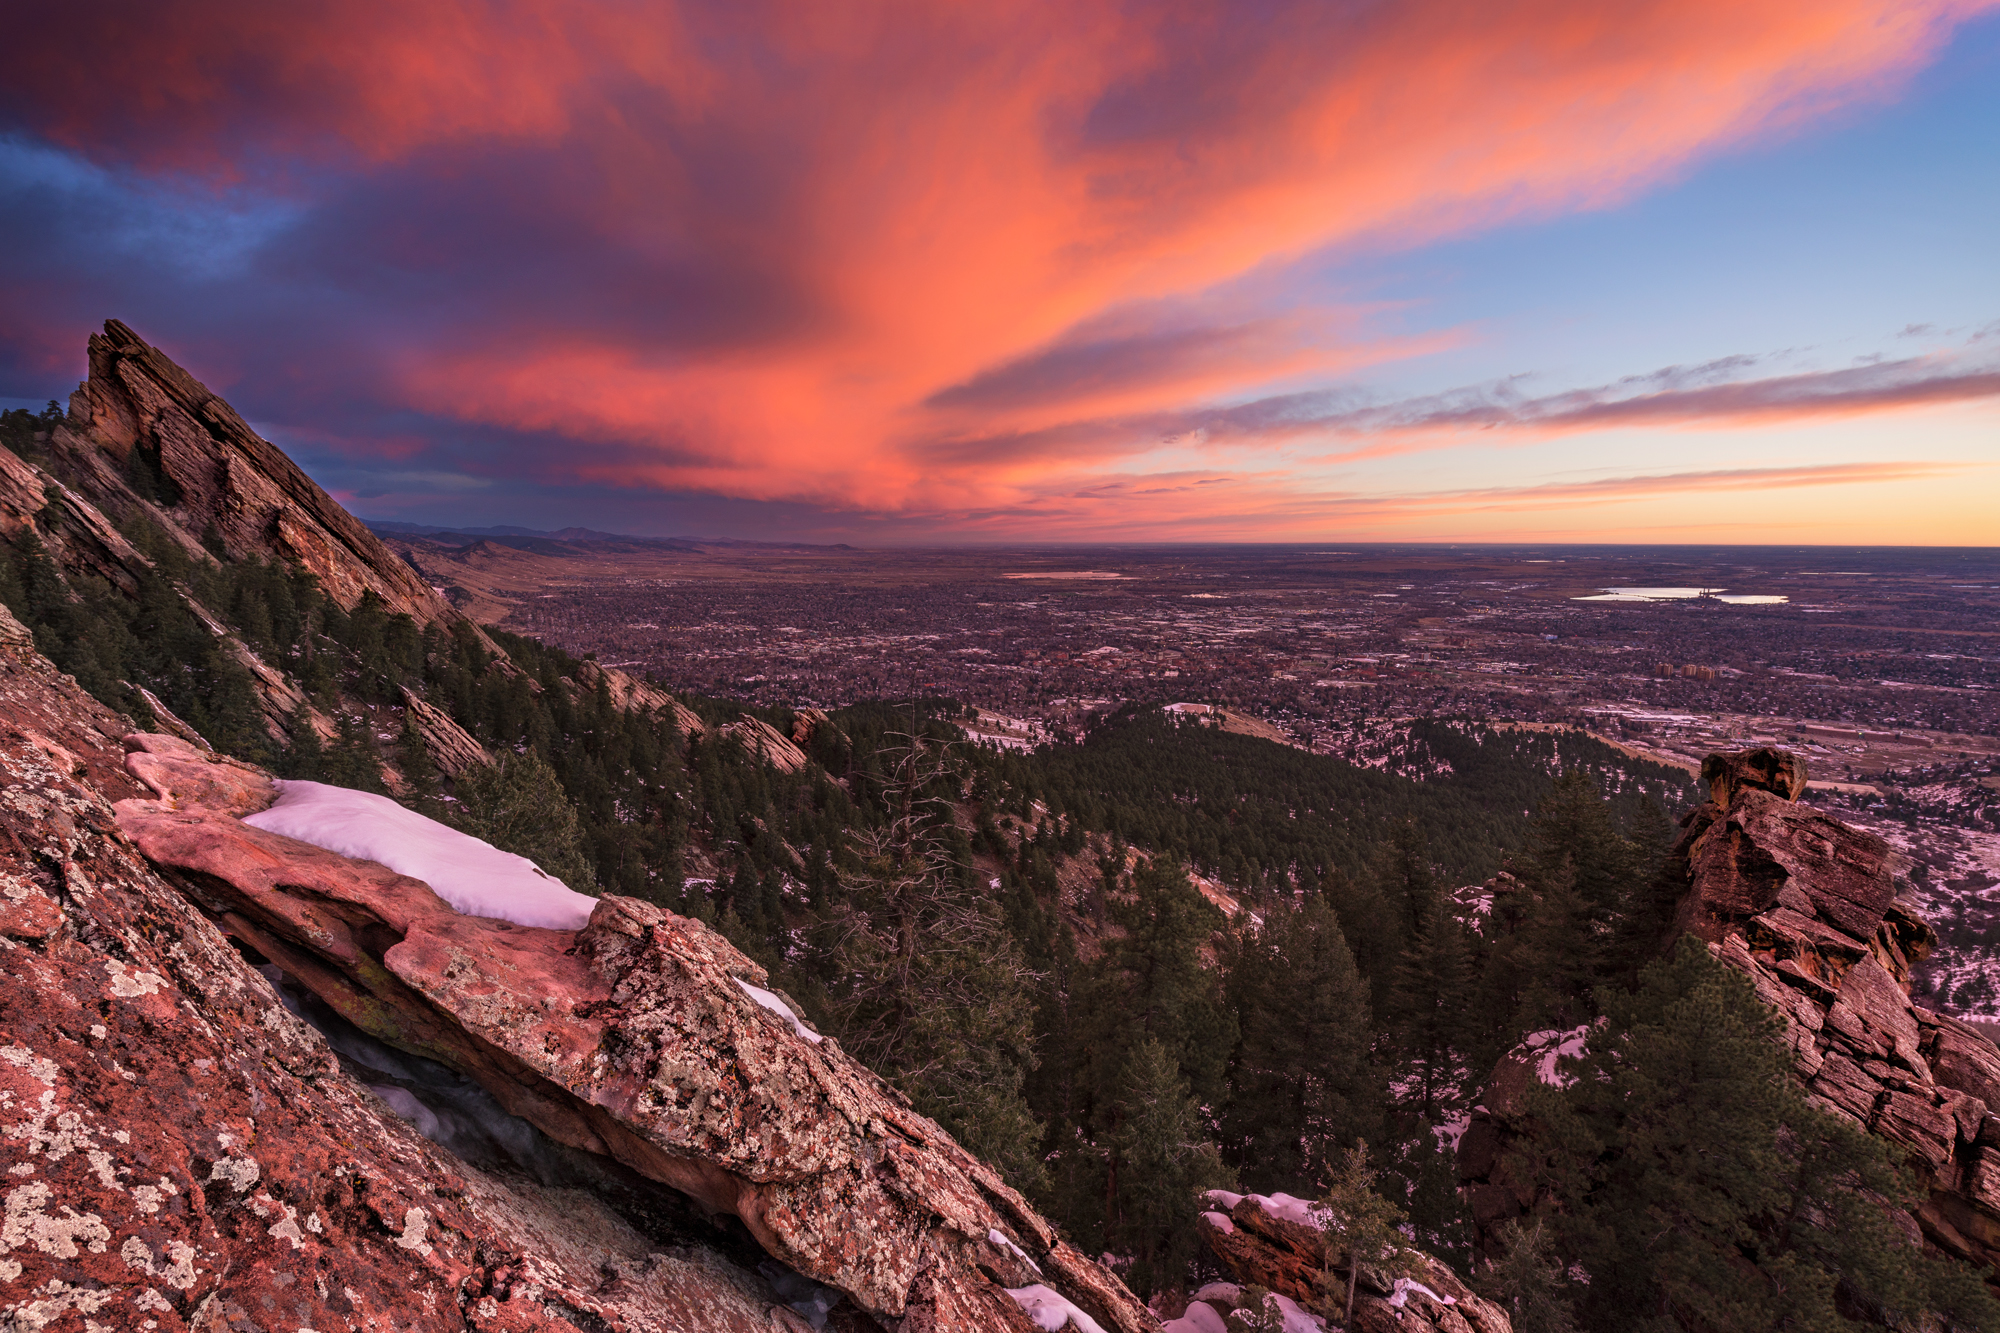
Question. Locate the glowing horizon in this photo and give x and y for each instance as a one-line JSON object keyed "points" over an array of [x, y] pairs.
{"points": [[1405, 273]]}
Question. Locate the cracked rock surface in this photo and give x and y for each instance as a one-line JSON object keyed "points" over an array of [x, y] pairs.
{"points": [[636, 1040], [179, 1151]]}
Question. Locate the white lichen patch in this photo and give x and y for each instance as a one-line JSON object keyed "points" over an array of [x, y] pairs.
{"points": [[287, 1226], [240, 1172], [179, 1270], [132, 985], [416, 1225], [58, 1298], [148, 1198], [28, 1221], [55, 1134], [41, 1070]]}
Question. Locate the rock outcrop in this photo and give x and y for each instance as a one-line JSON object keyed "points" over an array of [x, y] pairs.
{"points": [[144, 440], [633, 694], [767, 743], [230, 486], [645, 1039], [1806, 907], [1276, 1243], [450, 746], [179, 1151]]}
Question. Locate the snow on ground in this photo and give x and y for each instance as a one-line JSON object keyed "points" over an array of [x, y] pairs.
{"points": [[1451, 1131], [472, 876], [1051, 1311], [780, 1008], [1547, 1049], [1297, 1320], [1199, 1317], [1205, 1315], [1306, 1212]]}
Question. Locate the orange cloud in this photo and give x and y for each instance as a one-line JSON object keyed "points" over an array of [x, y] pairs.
{"points": [[973, 241]]}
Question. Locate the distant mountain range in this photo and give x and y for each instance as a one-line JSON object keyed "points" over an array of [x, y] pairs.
{"points": [[506, 530]]}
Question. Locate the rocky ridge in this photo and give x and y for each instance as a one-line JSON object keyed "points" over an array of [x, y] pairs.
{"points": [[182, 1152], [185, 1152], [231, 486], [645, 1038], [144, 439], [1807, 908]]}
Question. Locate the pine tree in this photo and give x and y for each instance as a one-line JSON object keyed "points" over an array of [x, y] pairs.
{"points": [[352, 761], [1362, 1227], [1161, 1160], [420, 774], [1424, 1010], [1301, 1077], [923, 983], [1691, 1181], [519, 806], [1528, 1281], [1572, 828], [1164, 990], [1542, 974], [305, 759]]}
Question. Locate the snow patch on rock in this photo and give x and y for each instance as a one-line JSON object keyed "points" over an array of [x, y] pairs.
{"points": [[473, 877], [778, 1007], [1051, 1311], [1000, 1238], [1404, 1286], [1547, 1048]]}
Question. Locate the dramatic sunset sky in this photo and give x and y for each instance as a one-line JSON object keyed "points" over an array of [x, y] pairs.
{"points": [[1454, 270]]}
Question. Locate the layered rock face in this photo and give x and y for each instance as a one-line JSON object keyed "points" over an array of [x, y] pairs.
{"points": [[1806, 908], [234, 486], [178, 1151], [1275, 1243], [769, 744], [644, 1038]]}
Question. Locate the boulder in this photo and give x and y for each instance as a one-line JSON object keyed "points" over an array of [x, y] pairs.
{"points": [[1278, 1242], [646, 1039], [180, 1151], [1779, 772]]}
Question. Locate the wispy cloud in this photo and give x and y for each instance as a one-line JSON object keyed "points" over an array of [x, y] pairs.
{"points": [[899, 258], [1697, 395]]}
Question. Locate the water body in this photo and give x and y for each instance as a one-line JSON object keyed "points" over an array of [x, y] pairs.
{"points": [[1683, 595]]}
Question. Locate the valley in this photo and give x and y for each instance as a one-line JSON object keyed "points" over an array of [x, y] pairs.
{"points": [[1882, 669]]}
